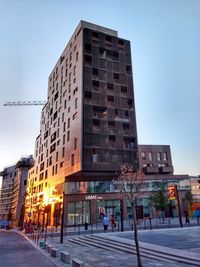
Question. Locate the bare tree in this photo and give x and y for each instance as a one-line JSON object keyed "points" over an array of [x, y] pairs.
{"points": [[130, 185]]}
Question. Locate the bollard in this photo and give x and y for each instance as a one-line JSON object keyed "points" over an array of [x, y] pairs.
{"points": [[41, 243], [86, 226], [54, 252], [150, 223], [65, 230], [79, 229], [118, 226], [77, 263], [65, 257]]}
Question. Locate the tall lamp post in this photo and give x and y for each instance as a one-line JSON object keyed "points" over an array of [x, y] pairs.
{"points": [[62, 219]]}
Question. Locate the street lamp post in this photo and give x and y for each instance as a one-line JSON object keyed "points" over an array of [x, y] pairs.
{"points": [[179, 208], [62, 220], [122, 214]]}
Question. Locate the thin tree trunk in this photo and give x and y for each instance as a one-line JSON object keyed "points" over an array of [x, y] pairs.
{"points": [[136, 237]]}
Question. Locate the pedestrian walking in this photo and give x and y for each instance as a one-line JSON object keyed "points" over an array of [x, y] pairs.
{"points": [[113, 223], [187, 219], [105, 223]]}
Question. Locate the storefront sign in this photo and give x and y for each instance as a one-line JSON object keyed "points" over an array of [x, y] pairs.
{"points": [[171, 192], [91, 197]]}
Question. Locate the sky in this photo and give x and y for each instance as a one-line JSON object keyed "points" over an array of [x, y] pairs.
{"points": [[165, 44]]}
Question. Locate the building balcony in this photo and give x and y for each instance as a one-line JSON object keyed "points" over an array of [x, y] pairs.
{"points": [[150, 169], [25, 162], [4, 173], [166, 169]]}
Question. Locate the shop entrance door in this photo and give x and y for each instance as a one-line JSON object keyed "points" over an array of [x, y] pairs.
{"points": [[108, 207]]}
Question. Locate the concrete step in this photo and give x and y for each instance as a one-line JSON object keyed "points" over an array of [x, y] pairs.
{"points": [[147, 250]]}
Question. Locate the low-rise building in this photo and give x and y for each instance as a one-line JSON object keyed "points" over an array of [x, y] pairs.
{"points": [[13, 189]]}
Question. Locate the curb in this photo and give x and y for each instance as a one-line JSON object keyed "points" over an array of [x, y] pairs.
{"points": [[53, 260]]}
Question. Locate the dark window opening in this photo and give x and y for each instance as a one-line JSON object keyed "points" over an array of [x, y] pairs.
{"points": [[110, 86], [88, 60], [95, 72], [128, 69], [88, 48]]}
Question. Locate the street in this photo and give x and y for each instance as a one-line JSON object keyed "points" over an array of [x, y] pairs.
{"points": [[16, 251]]}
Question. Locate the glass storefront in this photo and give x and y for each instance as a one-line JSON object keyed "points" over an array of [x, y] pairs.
{"points": [[78, 212], [108, 207]]}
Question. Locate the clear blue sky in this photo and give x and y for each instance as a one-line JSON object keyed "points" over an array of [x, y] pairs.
{"points": [[165, 42]]}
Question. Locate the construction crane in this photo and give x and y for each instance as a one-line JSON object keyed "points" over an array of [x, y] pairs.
{"points": [[25, 103]]}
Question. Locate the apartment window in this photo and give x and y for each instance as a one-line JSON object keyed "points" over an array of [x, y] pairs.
{"points": [[110, 99], [75, 91], [56, 169], [95, 84], [165, 156], [52, 148], [63, 139], [76, 56], [116, 66], [70, 77], [65, 104], [64, 126], [69, 88], [110, 86], [75, 143], [128, 69], [74, 70], [72, 160], [116, 76], [102, 63], [88, 60], [68, 135], [46, 174], [126, 113], [95, 72], [56, 156], [111, 141], [63, 117], [158, 156], [63, 152], [53, 171], [125, 126], [124, 90], [76, 103], [70, 56], [150, 158], [50, 161], [68, 110], [143, 155], [75, 115], [61, 164]]}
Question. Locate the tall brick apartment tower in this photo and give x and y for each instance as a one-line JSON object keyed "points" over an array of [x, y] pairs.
{"points": [[88, 125]]}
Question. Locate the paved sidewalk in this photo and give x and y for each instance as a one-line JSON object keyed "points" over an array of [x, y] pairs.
{"points": [[182, 238]]}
